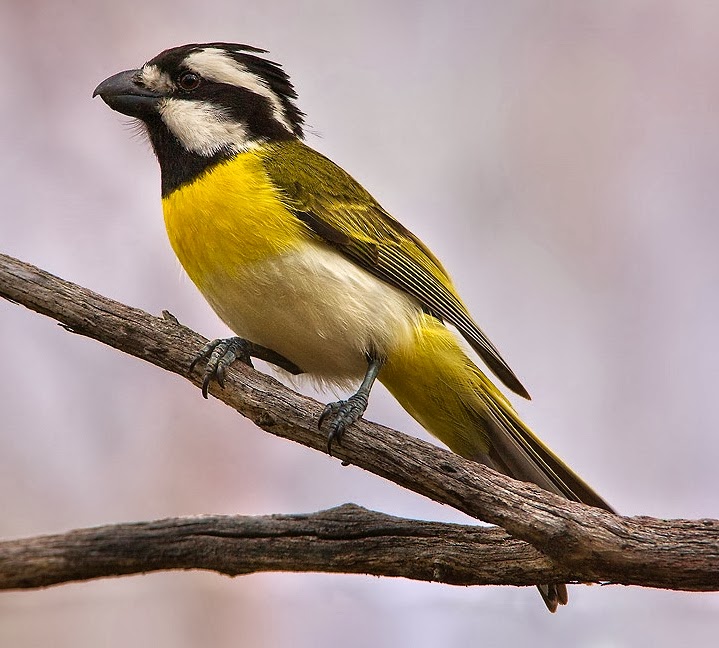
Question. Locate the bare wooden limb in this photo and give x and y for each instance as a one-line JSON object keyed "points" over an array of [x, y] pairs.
{"points": [[592, 544], [347, 539]]}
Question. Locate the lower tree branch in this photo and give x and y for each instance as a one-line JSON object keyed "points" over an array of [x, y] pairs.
{"points": [[591, 544], [347, 539]]}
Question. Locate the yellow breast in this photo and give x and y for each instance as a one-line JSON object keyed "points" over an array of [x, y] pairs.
{"points": [[272, 283], [230, 217]]}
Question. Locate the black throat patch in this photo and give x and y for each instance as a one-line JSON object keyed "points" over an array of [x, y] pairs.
{"points": [[178, 166]]}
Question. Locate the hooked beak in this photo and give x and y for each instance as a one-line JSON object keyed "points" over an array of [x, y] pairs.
{"points": [[123, 93]]}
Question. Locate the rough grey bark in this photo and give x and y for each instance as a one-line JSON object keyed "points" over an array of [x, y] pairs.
{"points": [[589, 544], [347, 539]]}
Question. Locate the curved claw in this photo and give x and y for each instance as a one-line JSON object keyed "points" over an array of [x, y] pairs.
{"points": [[345, 413], [220, 354], [206, 385]]}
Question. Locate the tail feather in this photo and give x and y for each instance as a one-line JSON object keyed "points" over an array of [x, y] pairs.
{"points": [[525, 457], [435, 381], [553, 595]]}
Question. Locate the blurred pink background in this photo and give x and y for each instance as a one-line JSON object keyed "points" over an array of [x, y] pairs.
{"points": [[560, 157]]}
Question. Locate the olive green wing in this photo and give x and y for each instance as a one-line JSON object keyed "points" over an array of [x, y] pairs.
{"points": [[338, 210]]}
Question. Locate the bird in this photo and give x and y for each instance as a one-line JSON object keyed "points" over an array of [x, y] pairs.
{"points": [[295, 255]]}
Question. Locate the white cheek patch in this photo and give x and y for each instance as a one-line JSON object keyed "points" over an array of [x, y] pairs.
{"points": [[202, 127], [154, 79], [215, 65]]}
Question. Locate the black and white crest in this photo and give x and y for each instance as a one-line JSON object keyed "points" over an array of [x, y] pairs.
{"points": [[236, 78], [205, 103]]}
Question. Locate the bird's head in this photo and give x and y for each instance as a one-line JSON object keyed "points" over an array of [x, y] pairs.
{"points": [[207, 101]]}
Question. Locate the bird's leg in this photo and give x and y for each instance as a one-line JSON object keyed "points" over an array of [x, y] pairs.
{"points": [[345, 412], [221, 353]]}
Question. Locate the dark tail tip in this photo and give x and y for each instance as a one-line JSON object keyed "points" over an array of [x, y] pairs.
{"points": [[553, 595], [506, 375]]}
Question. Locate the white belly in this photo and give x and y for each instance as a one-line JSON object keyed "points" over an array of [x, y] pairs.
{"points": [[317, 309]]}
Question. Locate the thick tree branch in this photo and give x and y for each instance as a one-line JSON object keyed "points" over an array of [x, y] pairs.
{"points": [[347, 539], [592, 544]]}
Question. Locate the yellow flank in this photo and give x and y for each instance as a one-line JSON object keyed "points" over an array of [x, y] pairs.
{"points": [[434, 380], [439, 386], [227, 218]]}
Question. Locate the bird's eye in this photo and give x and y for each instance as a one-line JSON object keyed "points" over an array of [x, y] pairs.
{"points": [[189, 81]]}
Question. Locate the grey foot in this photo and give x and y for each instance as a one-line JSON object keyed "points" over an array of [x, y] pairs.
{"points": [[220, 354], [342, 414]]}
